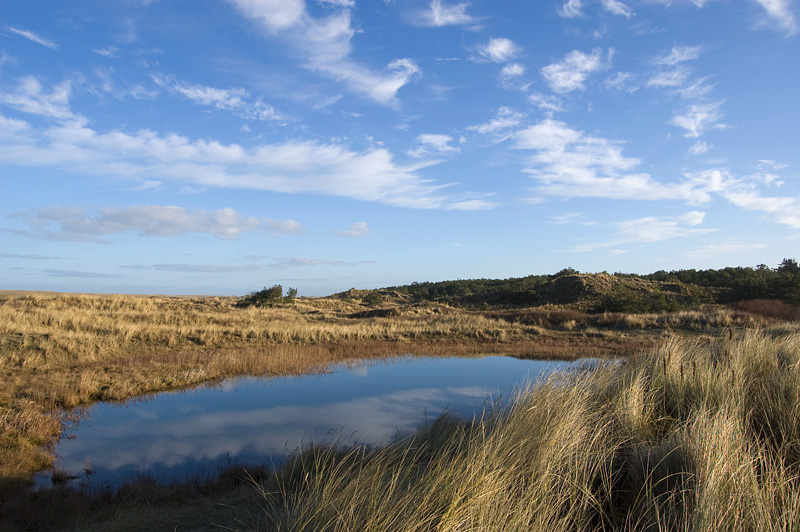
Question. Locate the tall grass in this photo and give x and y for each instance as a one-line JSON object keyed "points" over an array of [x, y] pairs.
{"points": [[688, 437]]}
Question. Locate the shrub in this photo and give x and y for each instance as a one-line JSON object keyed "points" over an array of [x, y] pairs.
{"points": [[372, 299], [267, 297]]}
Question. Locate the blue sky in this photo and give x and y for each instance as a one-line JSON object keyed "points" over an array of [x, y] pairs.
{"points": [[215, 147]]}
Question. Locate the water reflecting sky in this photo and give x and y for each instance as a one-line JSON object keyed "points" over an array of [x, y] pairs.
{"points": [[177, 433]]}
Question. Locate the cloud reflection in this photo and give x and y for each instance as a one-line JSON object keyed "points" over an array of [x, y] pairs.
{"points": [[173, 433]]}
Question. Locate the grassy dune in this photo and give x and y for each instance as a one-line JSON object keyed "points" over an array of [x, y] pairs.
{"points": [[661, 411]]}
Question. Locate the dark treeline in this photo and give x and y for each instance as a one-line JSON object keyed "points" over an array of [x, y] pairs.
{"points": [[743, 283], [515, 290], [733, 284]]}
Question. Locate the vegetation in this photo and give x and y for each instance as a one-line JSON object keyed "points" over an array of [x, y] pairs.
{"points": [[58, 351], [657, 292], [688, 437], [693, 435], [268, 297]]}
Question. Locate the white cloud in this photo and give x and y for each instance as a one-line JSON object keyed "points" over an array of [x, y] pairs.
{"points": [[147, 220], [506, 118], [548, 103], [441, 14], [34, 37], [780, 14], [433, 144], [699, 118], [324, 45], [293, 166], [669, 78], [617, 8], [236, 100], [679, 54], [356, 230], [652, 229], [106, 85], [111, 51], [513, 70], [711, 251], [511, 77], [571, 73], [571, 163], [622, 81], [275, 14], [500, 50], [571, 9], [699, 148], [743, 193], [30, 97]]}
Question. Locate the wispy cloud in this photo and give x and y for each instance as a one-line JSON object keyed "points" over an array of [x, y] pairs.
{"points": [[111, 51], [679, 54], [652, 229], [26, 256], [699, 147], [440, 14], [34, 37], [324, 45], [570, 163], [30, 97], [257, 265], [237, 100], [105, 84], [75, 224], [622, 81], [433, 144], [145, 156], [710, 251], [780, 15], [81, 274], [511, 77], [356, 230], [571, 9], [669, 78], [571, 73], [744, 193], [549, 103], [617, 8], [699, 118], [499, 50], [506, 119]]}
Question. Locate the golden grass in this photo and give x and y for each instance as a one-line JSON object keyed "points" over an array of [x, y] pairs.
{"points": [[689, 437], [58, 351], [693, 435]]}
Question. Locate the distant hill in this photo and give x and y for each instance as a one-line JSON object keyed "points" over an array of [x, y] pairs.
{"points": [[601, 292]]}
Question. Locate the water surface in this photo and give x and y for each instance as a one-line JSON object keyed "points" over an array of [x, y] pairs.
{"points": [[248, 420]]}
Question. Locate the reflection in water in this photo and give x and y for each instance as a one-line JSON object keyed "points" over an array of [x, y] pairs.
{"points": [[247, 419]]}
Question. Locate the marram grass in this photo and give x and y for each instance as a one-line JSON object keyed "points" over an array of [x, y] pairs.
{"points": [[689, 437]]}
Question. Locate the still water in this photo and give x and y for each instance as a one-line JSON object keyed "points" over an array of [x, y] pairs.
{"points": [[247, 420]]}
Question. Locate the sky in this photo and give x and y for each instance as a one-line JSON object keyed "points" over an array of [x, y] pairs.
{"points": [[217, 147]]}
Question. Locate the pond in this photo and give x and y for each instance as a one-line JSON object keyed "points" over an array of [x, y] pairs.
{"points": [[172, 435]]}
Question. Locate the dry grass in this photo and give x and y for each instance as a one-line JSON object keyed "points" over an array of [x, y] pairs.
{"points": [[689, 437], [58, 351], [693, 435]]}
